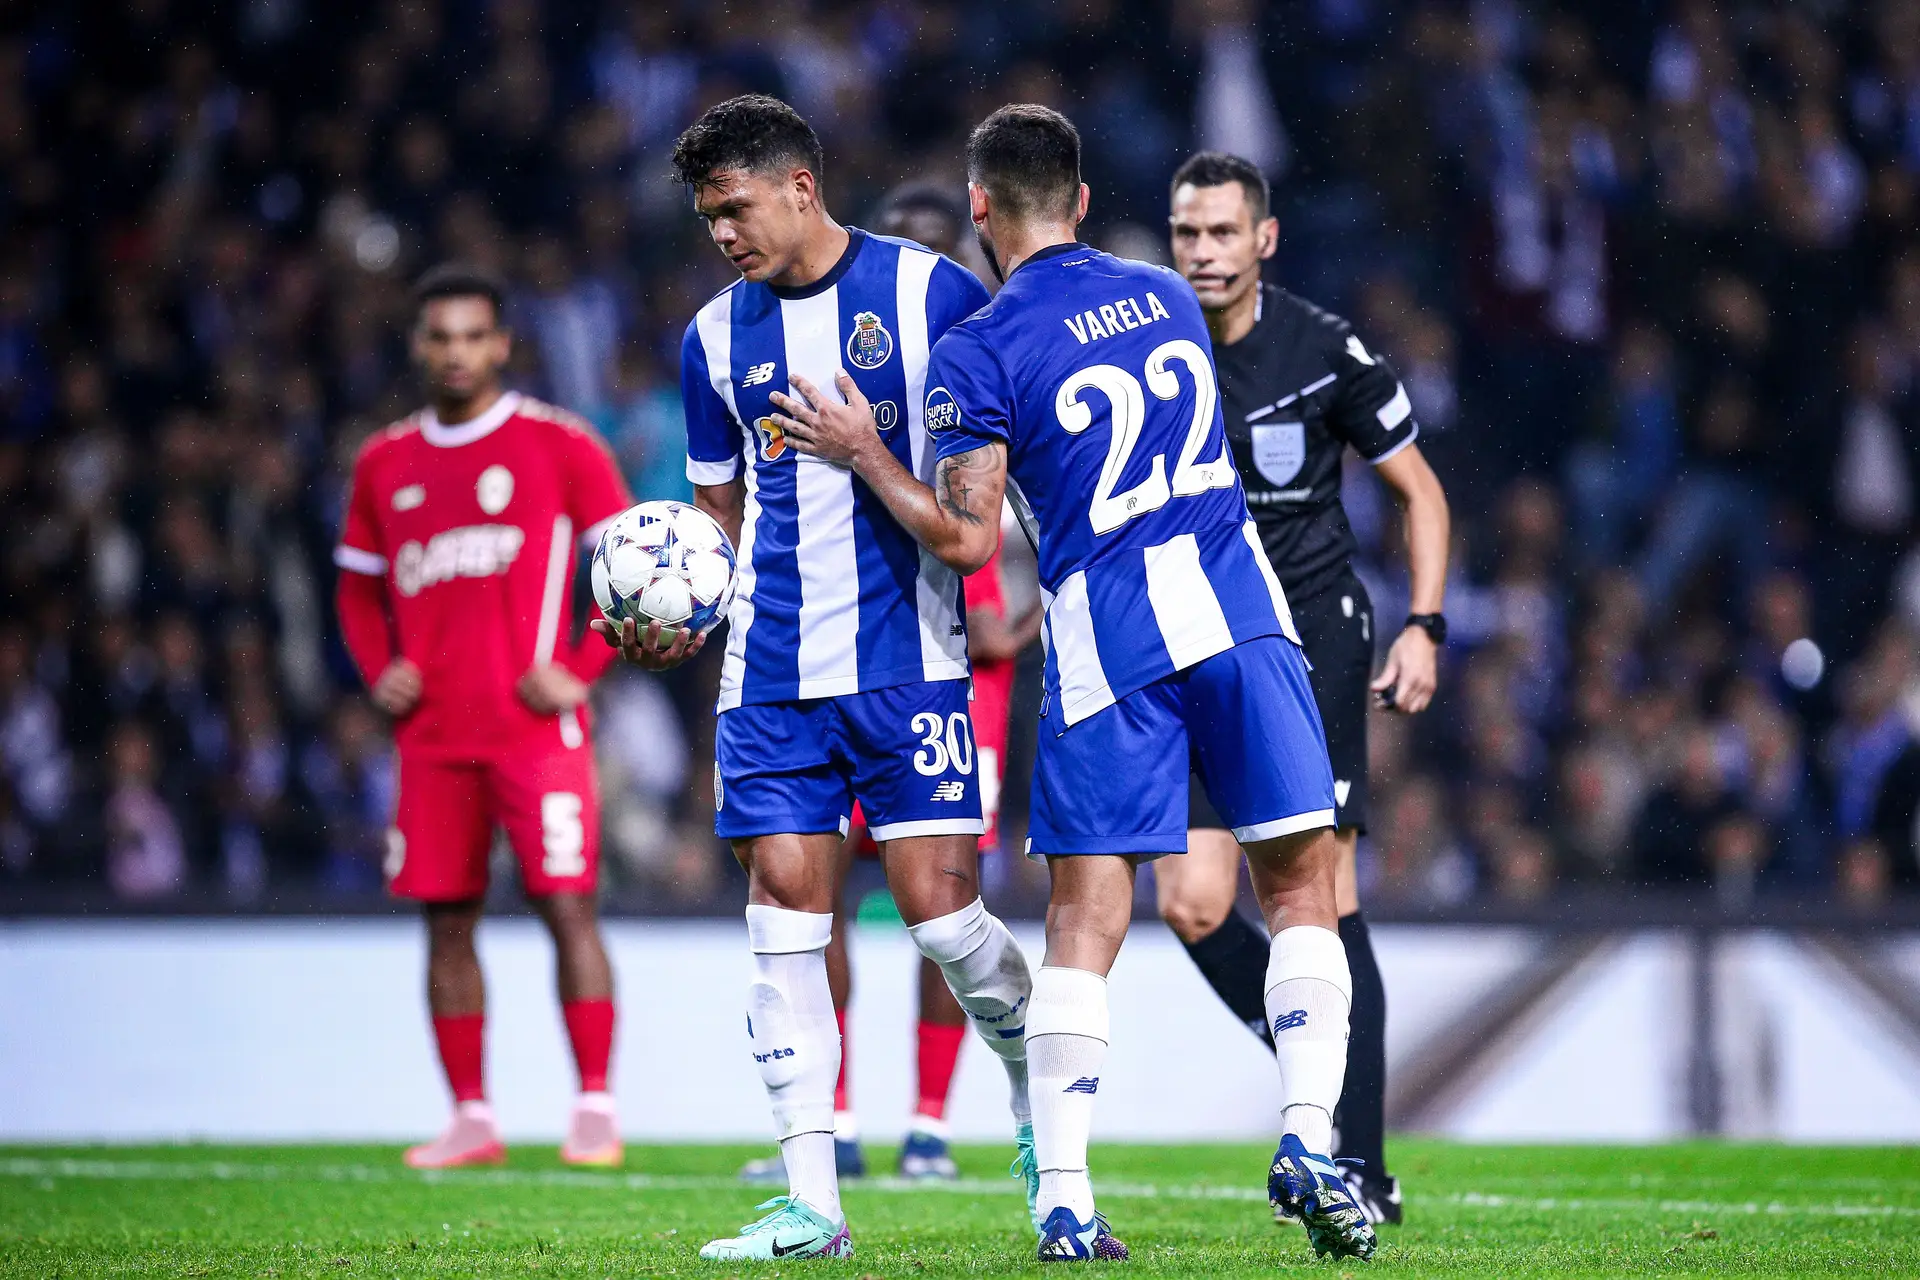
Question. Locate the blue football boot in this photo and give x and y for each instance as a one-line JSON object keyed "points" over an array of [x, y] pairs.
{"points": [[1309, 1187], [1064, 1238], [925, 1157]]}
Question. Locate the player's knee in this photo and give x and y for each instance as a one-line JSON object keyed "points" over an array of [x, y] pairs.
{"points": [[933, 876], [569, 915], [1193, 916], [451, 926]]}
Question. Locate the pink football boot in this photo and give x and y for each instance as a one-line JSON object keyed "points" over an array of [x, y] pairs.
{"points": [[593, 1134], [471, 1139]]}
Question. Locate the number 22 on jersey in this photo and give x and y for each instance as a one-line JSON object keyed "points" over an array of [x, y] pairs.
{"points": [[1127, 407]]}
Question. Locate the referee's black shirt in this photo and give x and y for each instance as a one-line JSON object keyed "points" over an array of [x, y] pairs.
{"points": [[1295, 392]]}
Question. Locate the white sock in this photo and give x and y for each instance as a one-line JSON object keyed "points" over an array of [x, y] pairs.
{"points": [[811, 1173], [988, 974], [1309, 991], [1066, 1046], [796, 1044]]}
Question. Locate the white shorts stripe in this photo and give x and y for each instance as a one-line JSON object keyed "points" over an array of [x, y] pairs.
{"points": [[1284, 826], [928, 827], [1192, 624]]}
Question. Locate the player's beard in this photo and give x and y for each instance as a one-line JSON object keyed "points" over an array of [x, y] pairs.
{"points": [[993, 259]]}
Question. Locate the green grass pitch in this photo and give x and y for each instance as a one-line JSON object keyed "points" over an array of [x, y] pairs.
{"points": [[191, 1211]]}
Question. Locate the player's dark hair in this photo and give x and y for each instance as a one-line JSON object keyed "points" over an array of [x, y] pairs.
{"points": [[1217, 168], [459, 280], [1028, 158], [752, 132], [924, 197]]}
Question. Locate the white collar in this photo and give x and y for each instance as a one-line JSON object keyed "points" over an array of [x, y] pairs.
{"points": [[449, 435]]}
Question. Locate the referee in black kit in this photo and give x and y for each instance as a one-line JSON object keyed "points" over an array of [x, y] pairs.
{"points": [[1297, 388]]}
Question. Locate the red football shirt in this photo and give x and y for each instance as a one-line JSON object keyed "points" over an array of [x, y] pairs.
{"points": [[474, 527]]}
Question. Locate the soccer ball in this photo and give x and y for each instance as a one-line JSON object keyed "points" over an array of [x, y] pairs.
{"points": [[667, 562]]}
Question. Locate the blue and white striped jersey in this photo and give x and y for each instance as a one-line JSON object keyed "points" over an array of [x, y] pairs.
{"points": [[1097, 373], [834, 597]]}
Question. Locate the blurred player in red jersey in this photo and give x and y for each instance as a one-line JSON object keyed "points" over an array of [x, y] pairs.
{"points": [[932, 216], [455, 601]]}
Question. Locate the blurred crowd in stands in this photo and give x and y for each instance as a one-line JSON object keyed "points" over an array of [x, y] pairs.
{"points": [[1651, 274]]}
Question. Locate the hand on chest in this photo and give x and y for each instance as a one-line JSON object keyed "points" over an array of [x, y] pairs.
{"points": [[770, 444]]}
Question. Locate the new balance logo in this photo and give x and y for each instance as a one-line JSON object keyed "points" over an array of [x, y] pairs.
{"points": [[950, 791], [758, 374], [1085, 1084], [1289, 1021]]}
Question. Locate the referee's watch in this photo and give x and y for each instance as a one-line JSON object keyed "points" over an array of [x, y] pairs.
{"points": [[1434, 624]]}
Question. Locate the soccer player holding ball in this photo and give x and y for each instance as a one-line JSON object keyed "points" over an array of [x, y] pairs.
{"points": [[927, 214], [1298, 388], [1087, 392], [845, 673], [457, 567]]}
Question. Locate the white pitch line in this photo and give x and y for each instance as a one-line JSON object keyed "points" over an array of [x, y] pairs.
{"points": [[1549, 1204], [233, 1171]]}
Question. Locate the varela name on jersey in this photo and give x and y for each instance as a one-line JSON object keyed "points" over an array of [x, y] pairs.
{"points": [[1120, 316], [834, 597], [1118, 465]]}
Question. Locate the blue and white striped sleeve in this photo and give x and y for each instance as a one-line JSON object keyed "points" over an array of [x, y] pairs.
{"points": [[713, 437]]}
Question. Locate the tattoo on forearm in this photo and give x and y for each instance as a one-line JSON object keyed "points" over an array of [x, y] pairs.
{"points": [[956, 490]]}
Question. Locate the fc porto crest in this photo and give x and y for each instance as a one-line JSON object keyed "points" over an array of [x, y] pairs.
{"points": [[870, 345]]}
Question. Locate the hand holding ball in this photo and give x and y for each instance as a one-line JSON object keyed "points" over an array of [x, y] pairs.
{"points": [[664, 562]]}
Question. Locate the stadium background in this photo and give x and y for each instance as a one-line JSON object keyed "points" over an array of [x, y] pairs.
{"points": [[1651, 273]]}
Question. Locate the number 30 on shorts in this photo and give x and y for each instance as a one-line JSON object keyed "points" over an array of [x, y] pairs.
{"points": [[947, 742]]}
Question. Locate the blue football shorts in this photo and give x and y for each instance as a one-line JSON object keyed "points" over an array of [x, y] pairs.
{"points": [[1244, 720], [906, 752]]}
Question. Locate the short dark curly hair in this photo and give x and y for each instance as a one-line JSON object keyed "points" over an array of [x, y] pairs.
{"points": [[1028, 158], [752, 132], [1217, 169]]}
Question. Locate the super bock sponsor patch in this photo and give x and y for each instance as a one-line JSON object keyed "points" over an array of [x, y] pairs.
{"points": [[942, 412]]}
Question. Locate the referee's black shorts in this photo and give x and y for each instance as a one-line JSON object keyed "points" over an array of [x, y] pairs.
{"points": [[1336, 630]]}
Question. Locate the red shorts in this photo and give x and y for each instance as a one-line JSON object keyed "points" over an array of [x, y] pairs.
{"points": [[545, 797], [988, 712]]}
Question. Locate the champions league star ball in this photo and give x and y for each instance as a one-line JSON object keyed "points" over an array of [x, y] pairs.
{"points": [[666, 562]]}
